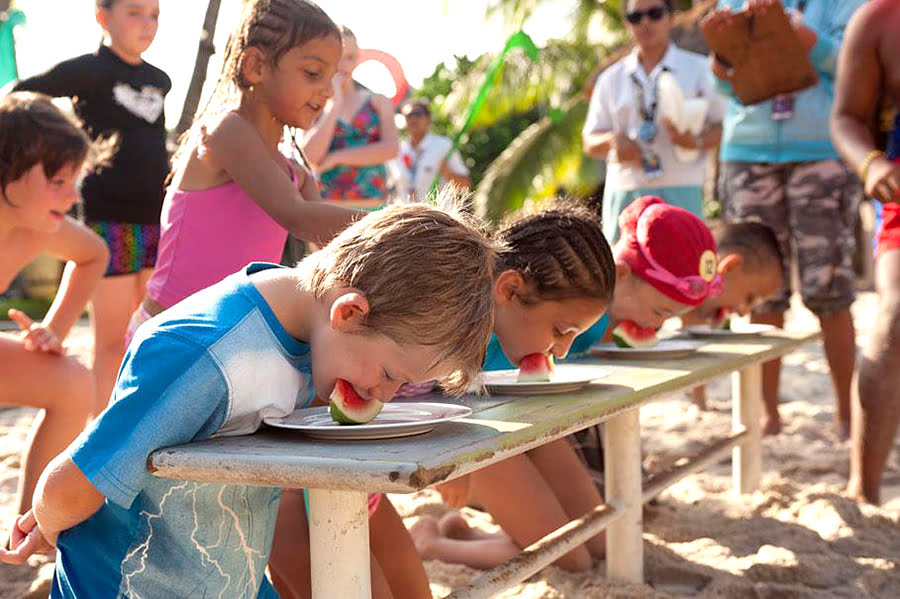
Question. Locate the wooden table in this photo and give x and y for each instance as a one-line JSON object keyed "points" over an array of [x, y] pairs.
{"points": [[339, 475]]}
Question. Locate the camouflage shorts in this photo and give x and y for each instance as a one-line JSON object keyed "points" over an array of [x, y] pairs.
{"points": [[812, 208]]}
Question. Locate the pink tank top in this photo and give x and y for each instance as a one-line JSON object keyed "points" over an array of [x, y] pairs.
{"points": [[207, 235]]}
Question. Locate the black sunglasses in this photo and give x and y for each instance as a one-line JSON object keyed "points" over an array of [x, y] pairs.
{"points": [[415, 113], [654, 14]]}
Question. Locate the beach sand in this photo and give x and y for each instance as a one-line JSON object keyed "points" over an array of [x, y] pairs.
{"points": [[798, 536]]}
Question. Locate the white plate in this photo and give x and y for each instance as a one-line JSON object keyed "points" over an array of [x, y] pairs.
{"points": [[738, 330], [665, 349], [567, 377], [395, 420]]}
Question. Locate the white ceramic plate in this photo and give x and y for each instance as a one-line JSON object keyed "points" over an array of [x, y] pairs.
{"points": [[395, 420], [737, 330], [567, 377], [665, 349]]}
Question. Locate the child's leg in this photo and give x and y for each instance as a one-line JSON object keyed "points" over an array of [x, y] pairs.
{"points": [[59, 386], [289, 559], [521, 501], [113, 302], [771, 424], [289, 565], [457, 543], [393, 549], [571, 482], [698, 393]]}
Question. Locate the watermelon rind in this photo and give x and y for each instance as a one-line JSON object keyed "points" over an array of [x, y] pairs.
{"points": [[347, 407], [622, 339], [339, 415]]}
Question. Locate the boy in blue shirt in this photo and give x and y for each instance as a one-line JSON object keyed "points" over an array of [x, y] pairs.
{"points": [[231, 355]]}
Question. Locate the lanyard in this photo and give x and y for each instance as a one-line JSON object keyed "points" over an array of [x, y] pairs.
{"points": [[647, 113]]}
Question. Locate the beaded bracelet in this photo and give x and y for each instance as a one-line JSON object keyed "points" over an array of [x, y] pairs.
{"points": [[867, 161]]}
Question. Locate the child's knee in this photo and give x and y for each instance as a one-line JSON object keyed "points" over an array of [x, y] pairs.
{"points": [[78, 383], [577, 560]]}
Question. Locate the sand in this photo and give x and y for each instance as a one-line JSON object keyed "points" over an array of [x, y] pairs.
{"points": [[798, 536]]}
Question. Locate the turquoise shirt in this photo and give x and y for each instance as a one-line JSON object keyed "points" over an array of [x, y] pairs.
{"points": [[751, 135], [9, 21], [495, 359]]}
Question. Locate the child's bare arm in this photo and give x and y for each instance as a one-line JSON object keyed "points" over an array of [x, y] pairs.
{"points": [[64, 497], [87, 256], [237, 148]]}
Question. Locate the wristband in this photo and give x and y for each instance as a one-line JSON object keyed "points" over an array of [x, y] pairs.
{"points": [[867, 161]]}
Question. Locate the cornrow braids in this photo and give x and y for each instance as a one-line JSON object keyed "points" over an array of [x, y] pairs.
{"points": [[273, 26], [561, 253]]}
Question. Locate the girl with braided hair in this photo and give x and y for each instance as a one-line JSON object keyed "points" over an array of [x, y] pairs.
{"points": [[557, 278], [234, 197]]}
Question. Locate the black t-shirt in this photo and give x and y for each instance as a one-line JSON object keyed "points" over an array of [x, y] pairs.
{"points": [[114, 97]]}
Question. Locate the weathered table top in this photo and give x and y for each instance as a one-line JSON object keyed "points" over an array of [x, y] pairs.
{"points": [[500, 426]]}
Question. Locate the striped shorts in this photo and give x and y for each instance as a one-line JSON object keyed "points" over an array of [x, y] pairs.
{"points": [[132, 247]]}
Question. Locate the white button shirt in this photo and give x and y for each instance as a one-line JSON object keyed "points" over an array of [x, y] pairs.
{"points": [[418, 165], [614, 107]]}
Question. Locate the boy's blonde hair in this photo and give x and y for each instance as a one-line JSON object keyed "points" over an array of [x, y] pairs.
{"points": [[427, 274]]}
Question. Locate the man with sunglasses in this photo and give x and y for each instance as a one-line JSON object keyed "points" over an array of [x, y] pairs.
{"points": [[625, 126], [868, 78], [779, 167], [423, 157]]}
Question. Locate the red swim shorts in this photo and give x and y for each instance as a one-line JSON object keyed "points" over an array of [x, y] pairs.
{"points": [[889, 236]]}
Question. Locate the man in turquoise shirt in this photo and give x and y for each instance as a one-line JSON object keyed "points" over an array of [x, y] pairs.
{"points": [[778, 166]]}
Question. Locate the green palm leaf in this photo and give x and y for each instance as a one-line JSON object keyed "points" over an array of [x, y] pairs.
{"points": [[545, 156], [521, 84]]}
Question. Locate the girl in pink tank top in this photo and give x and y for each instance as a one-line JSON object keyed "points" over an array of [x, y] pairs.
{"points": [[233, 198]]}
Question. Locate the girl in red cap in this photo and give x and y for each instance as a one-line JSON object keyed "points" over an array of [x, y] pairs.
{"points": [[666, 263]]}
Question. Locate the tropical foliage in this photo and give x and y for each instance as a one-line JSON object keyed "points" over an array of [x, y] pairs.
{"points": [[525, 144]]}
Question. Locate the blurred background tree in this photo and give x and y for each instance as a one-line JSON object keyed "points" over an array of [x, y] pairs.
{"points": [[525, 144]]}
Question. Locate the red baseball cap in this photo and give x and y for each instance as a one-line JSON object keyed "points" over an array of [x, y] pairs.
{"points": [[669, 248]]}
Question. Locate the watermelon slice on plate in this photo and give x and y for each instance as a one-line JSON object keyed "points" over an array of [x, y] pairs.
{"points": [[348, 407], [629, 334], [536, 368], [721, 320]]}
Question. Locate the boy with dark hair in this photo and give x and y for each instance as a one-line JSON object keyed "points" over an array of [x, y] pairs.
{"points": [[750, 264]]}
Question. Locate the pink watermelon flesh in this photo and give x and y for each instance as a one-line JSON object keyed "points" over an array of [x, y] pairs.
{"points": [[535, 368], [348, 407], [628, 334]]}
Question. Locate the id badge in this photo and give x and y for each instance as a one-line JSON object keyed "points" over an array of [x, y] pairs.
{"points": [[782, 107], [651, 164], [647, 131]]}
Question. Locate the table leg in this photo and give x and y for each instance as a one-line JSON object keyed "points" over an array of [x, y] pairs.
{"points": [[746, 409], [339, 544], [622, 467]]}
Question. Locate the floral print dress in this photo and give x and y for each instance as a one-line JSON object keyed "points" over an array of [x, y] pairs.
{"points": [[355, 182]]}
